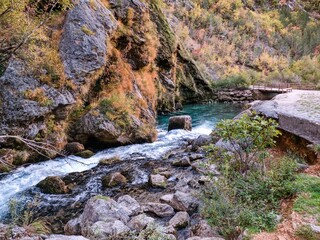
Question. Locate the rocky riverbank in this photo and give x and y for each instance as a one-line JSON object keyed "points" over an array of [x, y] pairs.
{"points": [[146, 198]]}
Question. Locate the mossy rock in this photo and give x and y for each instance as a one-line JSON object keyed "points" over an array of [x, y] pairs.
{"points": [[113, 180], [53, 185], [109, 161], [85, 154]]}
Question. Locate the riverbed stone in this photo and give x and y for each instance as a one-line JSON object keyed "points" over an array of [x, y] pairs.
{"points": [[203, 229], [180, 122], [166, 198], [53, 185], [202, 140], [157, 180], [74, 147], [140, 222], [129, 204], [73, 227], [113, 180], [64, 237], [105, 230], [103, 209], [160, 209], [205, 238], [184, 201], [85, 154], [182, 162], [180, 220], [195, 156], [109, 161]]}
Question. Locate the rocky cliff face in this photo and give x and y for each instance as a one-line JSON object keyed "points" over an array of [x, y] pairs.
{"points": [[121, 64]]}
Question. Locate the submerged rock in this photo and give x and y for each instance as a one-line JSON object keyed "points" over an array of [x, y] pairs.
{"points": [[180, 122]]}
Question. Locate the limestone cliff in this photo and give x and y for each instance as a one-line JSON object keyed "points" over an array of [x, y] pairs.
{"points": [[113, 66]]}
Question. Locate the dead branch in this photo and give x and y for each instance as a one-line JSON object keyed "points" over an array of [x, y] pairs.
{"points": [[44, 149]]}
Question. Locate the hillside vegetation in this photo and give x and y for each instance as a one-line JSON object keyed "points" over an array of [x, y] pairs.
{"points": [[262, 41]]}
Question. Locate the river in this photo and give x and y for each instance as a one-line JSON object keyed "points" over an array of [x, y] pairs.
{"points": [[20, 184]]}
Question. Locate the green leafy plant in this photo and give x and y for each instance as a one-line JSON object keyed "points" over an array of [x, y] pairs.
{"points": [[248, 137], [249, 191]]}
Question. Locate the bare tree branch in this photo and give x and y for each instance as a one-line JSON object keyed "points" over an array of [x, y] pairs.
{"points": [[42, 148]]}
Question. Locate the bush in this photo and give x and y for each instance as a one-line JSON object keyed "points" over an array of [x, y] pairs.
{"points": [[235, 81], [248, 194]]}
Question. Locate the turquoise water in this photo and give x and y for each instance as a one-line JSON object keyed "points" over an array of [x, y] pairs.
{"points": [[204, 116]]}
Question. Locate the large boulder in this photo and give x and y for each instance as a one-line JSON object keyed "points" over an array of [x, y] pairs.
{"points": [[101, 209], [83, 46], [180, 122]]}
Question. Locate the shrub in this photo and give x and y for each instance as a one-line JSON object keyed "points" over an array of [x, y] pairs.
{"points": [[235, 81], [248, 194]]}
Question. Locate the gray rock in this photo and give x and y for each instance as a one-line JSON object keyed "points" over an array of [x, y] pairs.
{"points": [[157, 180], [203, 229], [83, 46], [166, 198], [101, 209], [202, 140], [195, 156], [22, 112], [315, 228], [205, 238], [180, 220], [104, 230], [140, 222], [63, 237], [180, 122], [129, 204], [160, 209], [182, 162], [184, 202], [113, 180], [73, 227]]}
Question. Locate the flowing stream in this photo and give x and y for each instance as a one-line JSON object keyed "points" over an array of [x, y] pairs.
{"points": [[15, 184]]}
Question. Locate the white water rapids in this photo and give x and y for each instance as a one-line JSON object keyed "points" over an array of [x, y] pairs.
{"points": [[14, 184], [26, 177]]}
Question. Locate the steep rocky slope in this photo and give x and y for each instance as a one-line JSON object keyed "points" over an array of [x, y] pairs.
{"points": [[98, 76]]}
